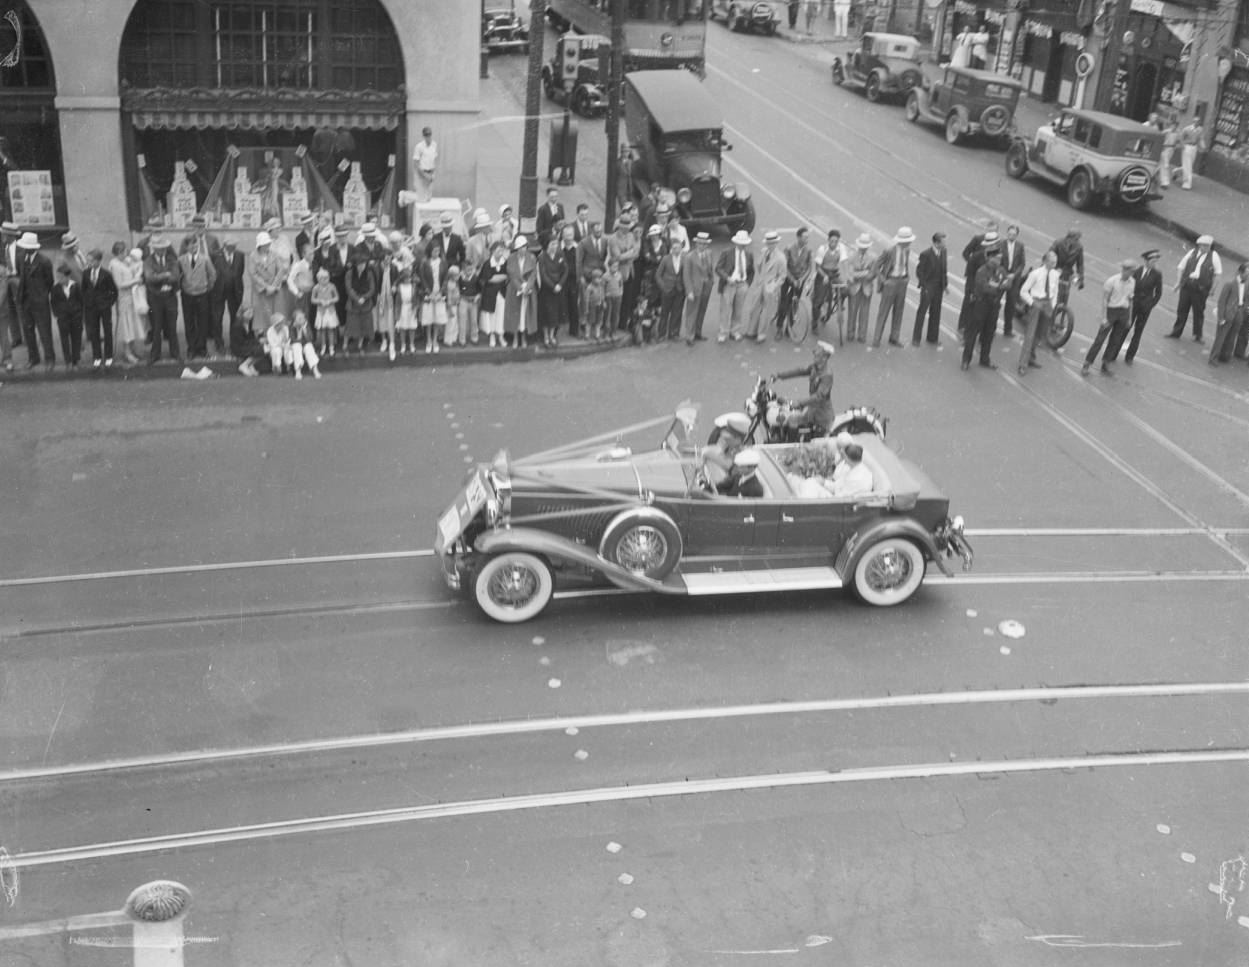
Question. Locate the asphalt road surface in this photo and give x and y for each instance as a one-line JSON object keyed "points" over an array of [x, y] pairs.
{"points": [[229, 659]]}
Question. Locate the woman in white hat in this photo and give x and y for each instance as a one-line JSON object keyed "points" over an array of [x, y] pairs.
{"points": [[520, 306], [268, 274], [493, 284]]}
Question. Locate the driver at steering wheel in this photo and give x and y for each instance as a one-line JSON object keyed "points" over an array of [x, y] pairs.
{"points": [[816, 410], [730, 436]]}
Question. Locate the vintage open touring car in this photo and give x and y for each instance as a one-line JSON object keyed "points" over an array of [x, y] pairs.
{"points": [[597, 512]]}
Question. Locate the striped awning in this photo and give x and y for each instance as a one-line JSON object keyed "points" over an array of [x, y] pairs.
{"points": [[235, 120]]}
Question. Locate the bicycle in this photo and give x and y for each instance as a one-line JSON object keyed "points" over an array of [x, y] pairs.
{"points": [[1063, 320], [797, 321]]}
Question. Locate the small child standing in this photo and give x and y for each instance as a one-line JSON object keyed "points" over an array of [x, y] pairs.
{"points": [[325, 298], [406, 322], [613, 292], [595, 303], [452, 293]]}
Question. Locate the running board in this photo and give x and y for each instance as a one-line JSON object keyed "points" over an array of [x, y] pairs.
{"points": [[771, 579]]}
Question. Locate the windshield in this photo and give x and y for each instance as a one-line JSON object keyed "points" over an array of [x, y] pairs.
{"points": [[687, 142]]}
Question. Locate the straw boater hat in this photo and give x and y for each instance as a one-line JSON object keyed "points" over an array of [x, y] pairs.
{"points": [[770, 237], [307, 218], [9, 228], [262, 238], [519, 242], [864, 241], [325, 235], [199, 221], [481, 220], [69, 240], [28, 240], [158, 241], [446, 219], [653, 231], [904, 236], [825, 347], [742, 237], [1205, 239], [272, 225], [702, 237], [368, 228], [990, 239]]}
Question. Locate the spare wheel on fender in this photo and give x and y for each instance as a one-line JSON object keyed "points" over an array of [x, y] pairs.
{"points": [[643, 540]]}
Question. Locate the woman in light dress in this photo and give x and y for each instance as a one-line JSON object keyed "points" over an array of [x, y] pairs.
{"points": [[126, 268], [493, 283], [407, 301]]}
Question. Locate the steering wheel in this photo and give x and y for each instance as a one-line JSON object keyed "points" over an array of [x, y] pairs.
{"points": [[702, 483]]}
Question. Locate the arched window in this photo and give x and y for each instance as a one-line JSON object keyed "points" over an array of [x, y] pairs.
{"points": [[31, 178], [309, 45]]}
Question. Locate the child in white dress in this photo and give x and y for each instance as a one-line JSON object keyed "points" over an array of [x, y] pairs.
{"points": [[434, 313], [453, 295], [406, 323], [325, 299]]}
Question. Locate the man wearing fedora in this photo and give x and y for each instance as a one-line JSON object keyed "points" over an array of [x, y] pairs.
{"points": [[227, 296], [73, 256], [767, 299], [697, 275], [447, 242], [307, 231], [1198, 272], [162, 273], [34, 272], [198, 276], [859, 274], [735, 271], [893, 275]]}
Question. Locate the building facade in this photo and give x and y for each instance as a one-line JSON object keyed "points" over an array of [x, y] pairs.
{"points": [[113, 111]]}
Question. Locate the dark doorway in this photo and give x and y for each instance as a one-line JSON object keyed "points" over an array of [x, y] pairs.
{"points": [[1143, 86], [1053, 71]]}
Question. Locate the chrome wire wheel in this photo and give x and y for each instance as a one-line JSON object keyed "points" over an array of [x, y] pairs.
{"points": [[513, 587], [642, 548], [889, 572]]}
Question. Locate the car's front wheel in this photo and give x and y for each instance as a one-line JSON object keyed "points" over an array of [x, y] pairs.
{"points": [[912, 107], [644, 543], [1080, 191], [954, 127], [1017, 160], [871, 88], [513, 587], [889, 572]]}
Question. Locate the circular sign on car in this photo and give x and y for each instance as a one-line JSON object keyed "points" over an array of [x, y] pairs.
{"points": [[1134, 183], [666, 39]]}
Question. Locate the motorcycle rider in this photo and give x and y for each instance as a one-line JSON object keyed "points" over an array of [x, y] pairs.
{"points": [[816, 410]]}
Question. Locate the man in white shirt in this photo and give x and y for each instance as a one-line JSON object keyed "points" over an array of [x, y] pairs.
{"points": [[1199, 269], [1117, 295], [858, 476], [1038, 293], [425, 161]]}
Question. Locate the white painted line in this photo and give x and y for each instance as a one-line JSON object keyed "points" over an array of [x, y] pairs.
{"points": [[992, 696], [611, 794], [1086, 577], [143, 572], [1105, 531]]}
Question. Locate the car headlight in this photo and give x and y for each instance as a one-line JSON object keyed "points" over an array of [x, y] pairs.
{"points": [[956, 524], [743, 191], [684, 196], [729, 192]]}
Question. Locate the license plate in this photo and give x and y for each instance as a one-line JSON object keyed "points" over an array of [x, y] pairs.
{"points": [[461, 513]]}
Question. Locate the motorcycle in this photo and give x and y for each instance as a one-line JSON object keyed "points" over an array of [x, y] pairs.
{"points": [[769, 419]]}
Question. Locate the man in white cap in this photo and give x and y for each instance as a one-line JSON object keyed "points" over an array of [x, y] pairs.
{"points": [[1117, 296], [1199, 270], [73, 256], [268, 276], [816, 409], [744, 481], [735, 271], [768, 281], [893, 274], [698, 274], [859, 275], [727, 439], [35, 281], [163, 275]]}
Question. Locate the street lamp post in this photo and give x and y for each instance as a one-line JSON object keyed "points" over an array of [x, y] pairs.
{"points": [[528, 201]]}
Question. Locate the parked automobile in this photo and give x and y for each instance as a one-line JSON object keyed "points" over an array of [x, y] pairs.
{"points": [[1094, 155], [884, 64], [675, 138], [572, 75], [967, 103], [502, 29], [601, 514], [755, 16]]}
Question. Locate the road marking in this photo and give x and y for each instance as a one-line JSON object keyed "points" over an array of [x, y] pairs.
{"points": [[1077, 940], [610, 794], [143, 572], [656, 717], [1105, 531]]}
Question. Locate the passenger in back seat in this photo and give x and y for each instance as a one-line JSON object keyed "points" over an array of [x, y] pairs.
{"points": [[857, 478]]}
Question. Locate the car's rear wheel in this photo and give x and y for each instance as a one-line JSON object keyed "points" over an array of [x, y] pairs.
{"points": [[732, 20], [871, 87], [513, 586], [889, 572], [1017, 160], [954, 127], [1080, 191], [645, 543], [912, 107]]}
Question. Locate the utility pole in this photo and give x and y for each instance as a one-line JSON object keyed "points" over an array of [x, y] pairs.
{"points": [[615, 92], [528, 206]]}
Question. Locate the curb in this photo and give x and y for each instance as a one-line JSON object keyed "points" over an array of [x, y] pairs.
{"points": [[1189, 234], [226, 368]]}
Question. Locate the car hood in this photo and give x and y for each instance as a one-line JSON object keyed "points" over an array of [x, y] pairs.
{"points": [[660, 472], [684, 168]]}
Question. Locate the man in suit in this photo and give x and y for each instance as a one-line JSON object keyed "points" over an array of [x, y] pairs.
{"points": [[798, 268], [549, 215], [227, 293], [307, 231], [697, 274], [987, 289], [859, 275], [65, 300], [99, 295], [893, 274], [735, 271], [10, 311], [571, 292], [1232, 316], [198, 274], [73, 257], [973, 257], [670, 280], [1199, 269], [34, 287], [769, 278], [447, 242], [581, 224], [932, 277], [1146, 295], [592, 251], [163, 275], [1015, 263]]}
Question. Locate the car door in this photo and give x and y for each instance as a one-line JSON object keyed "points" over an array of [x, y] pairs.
{"points": [[816, 527], [729, 526]]}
